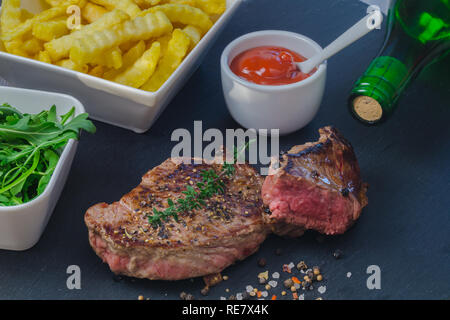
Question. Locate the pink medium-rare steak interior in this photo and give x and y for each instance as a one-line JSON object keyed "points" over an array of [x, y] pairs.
{"points": [[318, 186]]}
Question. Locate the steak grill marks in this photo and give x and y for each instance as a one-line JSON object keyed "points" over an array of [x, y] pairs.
{"points": [[318, 186]]}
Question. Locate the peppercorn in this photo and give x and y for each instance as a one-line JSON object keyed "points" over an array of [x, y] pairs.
{"points": [[141, 298], [225, 278], [205, 291], [252, 293], [283, 293], [268, 287], [183, 295], [319, 277], [189, 297], [293, 289], [262, 280], [232, 297], [302, 265], [316, 270], [262, 262], [288, 283], [337, 254], [306, 278]]}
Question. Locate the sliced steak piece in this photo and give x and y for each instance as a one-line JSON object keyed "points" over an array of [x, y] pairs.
{"points": [[205, 241], [318, 186]]}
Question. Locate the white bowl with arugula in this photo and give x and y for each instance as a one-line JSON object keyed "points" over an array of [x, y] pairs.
{"points": [[38, 140]]}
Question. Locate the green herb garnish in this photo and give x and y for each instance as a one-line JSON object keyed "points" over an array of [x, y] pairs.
{"points": [[30, 146], [212, 183]]}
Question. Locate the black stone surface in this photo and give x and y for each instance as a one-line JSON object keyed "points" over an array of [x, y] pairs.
{"points": [[404, 230]]}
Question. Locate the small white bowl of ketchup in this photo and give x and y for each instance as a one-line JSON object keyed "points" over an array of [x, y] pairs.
{"points": [[262, 86]]}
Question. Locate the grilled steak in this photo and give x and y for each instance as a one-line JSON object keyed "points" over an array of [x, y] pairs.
{"points": [[205, 241], [318, 186]]}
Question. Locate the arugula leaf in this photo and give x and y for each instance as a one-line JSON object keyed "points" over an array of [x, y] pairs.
{"points": [[30, 145], [52, 159]]}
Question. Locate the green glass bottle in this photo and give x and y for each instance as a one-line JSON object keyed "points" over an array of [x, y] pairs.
{"points": [[418, 32]]}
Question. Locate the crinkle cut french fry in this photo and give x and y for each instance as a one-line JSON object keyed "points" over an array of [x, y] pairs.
{"points": [[111, 58], [43, 56], [138, 74], [127, 6], [25, 15], [55, 3], [128, 59], [212, 7], [9, 34], [127, 45], [32, 46], [50, 30], [164, 41], [147, 3], [176, 51], [194, 33], [10, 15], [184, 14], [191, 3], [141, 28], [26, 26], [133, 54], [97, 71], [92, 12], [60, 48], [15, 47], [58, 3], [69, 64]]}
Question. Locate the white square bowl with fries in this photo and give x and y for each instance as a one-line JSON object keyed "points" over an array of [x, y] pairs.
{"points": [[22, 225], [105, 100]]}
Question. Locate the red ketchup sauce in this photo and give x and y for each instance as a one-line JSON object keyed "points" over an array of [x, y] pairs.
{"points": [[269, 66]]}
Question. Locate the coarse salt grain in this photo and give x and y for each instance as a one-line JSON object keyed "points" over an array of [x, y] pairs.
{"points": [[349, 274], [291, 265], [297, 285], [264, 294], [248, 288], [301, 297], [273, 283], [322, 289], [239, 296], [223, 298], [276, 275]]}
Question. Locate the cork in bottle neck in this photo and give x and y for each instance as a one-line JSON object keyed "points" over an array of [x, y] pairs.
{"points": [[367, 108]]}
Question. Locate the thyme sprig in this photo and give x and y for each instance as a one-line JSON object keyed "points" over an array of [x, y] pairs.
{"points": [[212, 183]]}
